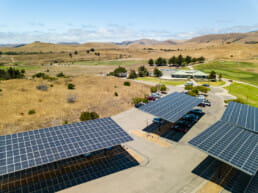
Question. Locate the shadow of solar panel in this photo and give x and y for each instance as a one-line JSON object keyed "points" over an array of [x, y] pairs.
{"points": [[236, 146], [171, 107], [242, 115], [66, 173], [33, 148]]}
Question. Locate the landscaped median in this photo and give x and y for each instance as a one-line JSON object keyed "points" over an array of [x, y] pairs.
{"points": [[217, 83], [157, 80], [246, 94]]}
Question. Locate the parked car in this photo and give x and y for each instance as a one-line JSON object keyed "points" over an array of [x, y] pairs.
{"points": [[191, 117], [180, 129], [150, 98], [139, 105], [188, 83], [202, 97], [164, 92], [156, 95], [202, 104], [184, 123], [206, 85], [197, 111], [207, 103], [158, 121]]}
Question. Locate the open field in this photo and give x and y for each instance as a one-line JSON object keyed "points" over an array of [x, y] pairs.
{"points": [[124, 63], [248, 94], [242, 71], [157, 80], [51, 106], [217, 83]]}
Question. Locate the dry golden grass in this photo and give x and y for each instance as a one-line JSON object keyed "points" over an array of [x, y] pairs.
{"points": [[51, 106]]}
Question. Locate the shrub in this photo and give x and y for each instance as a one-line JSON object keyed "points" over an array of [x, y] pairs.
{"points": [[195, 90], [88, 116], [157, 72], [238, 100], [212, 75], [132, 74], [65, 122], [60, 74], [43, 76], [202, 89], [92, 50], [163, 88], [31, 112], [154, 89], [1, 90], [137, 100], [42, 87], [11, 73], [126, 83], [51, 85], [71, 86], [191, 93], [188, 87], [116, 94], [142, 71], [71, 98], [151, 62]]}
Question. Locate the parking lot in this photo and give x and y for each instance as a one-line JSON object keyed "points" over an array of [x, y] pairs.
{"points": [[164, 169]]}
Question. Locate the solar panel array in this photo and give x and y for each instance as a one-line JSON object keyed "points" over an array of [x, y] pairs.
{"points": [[233, 145], [171, 107], [20, 151], [242, 115]]}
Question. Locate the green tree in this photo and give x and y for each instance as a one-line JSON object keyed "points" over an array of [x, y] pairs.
{"points": [[161, 61], [132, 74], [151, 62], [154, 89], [212, 75], [220, 77], [194, 60], [142, 71], [172, 60], [180, 60], [201, 59], [163, 87], [188, 59], [157, 72], [119, 71], [71, 86], [75, 52], [85, 116], [188, 87]]}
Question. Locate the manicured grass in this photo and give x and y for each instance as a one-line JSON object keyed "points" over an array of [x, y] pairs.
{"points": [[111, 62], [157, 80], [248, 94], [243, 71], [218, 83]]}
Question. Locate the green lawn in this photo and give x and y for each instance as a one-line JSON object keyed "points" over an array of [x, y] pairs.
{"points": [[157, 80], [111, 62], [248, 94], [246, 72], [218, 83]]}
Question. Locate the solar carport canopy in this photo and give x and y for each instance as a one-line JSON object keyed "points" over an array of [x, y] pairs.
{"points": [[171, 107], [231, 143], [242, 115], [34, 148]]}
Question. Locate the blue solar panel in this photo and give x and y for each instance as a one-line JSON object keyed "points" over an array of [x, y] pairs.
{"points": [[242, 115], [233, 145], [171, 107], [20, 151]]}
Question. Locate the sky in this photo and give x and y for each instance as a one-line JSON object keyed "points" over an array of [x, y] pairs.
{"points": [[25, 21]]}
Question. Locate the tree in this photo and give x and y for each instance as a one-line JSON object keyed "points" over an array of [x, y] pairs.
{"points": [[132, 74], [119, 71], [75, 52], [151, 62], [142, 71], [71, 86], [161, 61], [157, 72], [220, 77], [1, 53], [87, 51], [71, 55], [201, 59], [163, 88], [180, 60], [194, 60], [188, 59], [153, 89], [212, 75], [92, 50], [172, 60], [188, 87]]}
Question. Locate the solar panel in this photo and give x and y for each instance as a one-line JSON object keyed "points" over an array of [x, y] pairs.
{"points": [[20, 151], [236, 146], [171, 107], [242, 115]]}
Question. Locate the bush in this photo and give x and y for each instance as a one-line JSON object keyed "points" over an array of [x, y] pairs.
{"points": [[85, 116], [61, 74], [137, 100], [51, 85], [238, 100], [132, 74], [44, 76], [11, 73], [188, 87], [65, 122], [71, 98], [116, 94], [154, 89], [191, 93], [1, 90], [42, 87], [163, 88], [71, 86], [212, 75], [126, 83], [119, 72], [202, 89], [151, 62], [142, 71], [31, 112]]}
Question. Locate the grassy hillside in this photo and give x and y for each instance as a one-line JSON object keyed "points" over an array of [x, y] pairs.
{"points": [[112, 62], [243, 71], [248, 94]]}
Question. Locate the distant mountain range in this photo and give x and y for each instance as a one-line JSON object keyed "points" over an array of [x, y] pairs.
{"points": [[228, 38]]}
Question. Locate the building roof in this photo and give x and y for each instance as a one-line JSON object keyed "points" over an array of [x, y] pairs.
{"points": [[171, 107]]}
